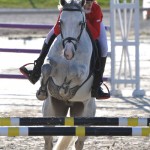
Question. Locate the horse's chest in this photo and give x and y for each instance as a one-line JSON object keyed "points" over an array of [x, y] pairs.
{"points": [[62, 92]]}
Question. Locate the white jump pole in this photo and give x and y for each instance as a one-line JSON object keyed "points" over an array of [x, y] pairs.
{"points": [[125, 71]]}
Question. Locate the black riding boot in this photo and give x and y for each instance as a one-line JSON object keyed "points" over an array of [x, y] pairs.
{"points": [[34, 75], [97, 90]]}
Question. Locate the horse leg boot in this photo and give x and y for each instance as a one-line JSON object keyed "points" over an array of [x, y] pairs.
{"points": [[34, 75], [97, 91]]}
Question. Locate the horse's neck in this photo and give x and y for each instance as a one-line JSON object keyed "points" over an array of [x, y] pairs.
{"points": [[85, 47], [77, 69], [85, 34]]}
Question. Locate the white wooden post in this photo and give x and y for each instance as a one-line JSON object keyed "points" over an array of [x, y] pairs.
{"points": [[125, 68]]}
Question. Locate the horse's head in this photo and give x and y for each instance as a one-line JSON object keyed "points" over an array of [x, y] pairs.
{"points": [[72, 24]]}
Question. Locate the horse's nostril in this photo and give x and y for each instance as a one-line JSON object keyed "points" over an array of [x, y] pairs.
{"points": [[67, 57]]}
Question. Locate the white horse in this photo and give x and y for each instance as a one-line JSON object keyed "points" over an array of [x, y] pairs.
{"points": [[67, 76]]}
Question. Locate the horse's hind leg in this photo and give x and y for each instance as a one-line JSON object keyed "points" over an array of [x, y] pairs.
{"points": [[53, 108], [85, 109], [77, 110], [48, 143], [42, 92], [80, 143]]}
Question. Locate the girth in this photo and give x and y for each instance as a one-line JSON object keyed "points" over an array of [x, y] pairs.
{"points": [[54, 90]]}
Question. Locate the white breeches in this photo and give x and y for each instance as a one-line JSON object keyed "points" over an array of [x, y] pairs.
{"points": [[103, 41], [49, 35]]}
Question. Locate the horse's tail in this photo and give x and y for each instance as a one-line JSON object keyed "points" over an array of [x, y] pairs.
{"points": [[65, 143]]}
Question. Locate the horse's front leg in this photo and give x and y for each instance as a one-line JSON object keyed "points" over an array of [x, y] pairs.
{"points": [[42, 92]]}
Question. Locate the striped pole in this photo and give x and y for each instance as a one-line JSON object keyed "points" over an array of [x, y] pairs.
{"points": [[74, 131], [70, 121]]}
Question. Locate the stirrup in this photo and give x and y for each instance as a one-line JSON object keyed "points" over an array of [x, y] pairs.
{"points": [[104, 95], [27, 73], [99, 94]]}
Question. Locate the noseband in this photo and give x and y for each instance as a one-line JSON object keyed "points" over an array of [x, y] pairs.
{"points": [[72, 40]]}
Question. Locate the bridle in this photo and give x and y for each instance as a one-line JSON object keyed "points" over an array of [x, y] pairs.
{"points": [[72, 40]]}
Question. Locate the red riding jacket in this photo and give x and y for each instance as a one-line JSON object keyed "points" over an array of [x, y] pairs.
{"points": [[94, 18]]}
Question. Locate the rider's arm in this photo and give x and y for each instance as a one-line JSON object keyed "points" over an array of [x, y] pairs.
{"points": [[93, 21]]}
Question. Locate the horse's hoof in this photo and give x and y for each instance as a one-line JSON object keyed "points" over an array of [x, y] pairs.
{"points": [[41, 95]]}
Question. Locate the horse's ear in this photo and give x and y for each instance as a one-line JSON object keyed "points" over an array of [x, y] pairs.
{"points": [[62, 2], [83, 3]]}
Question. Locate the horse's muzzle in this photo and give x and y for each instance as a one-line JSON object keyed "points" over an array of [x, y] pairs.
{"points": [[69, 51]]}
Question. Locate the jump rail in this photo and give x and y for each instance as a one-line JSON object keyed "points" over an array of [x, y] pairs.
{"points": [[75, 131], [16, 50], [32, 26], [25, 26], [70, 121], [33, 51]]}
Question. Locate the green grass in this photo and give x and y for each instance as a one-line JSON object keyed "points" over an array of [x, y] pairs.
{"points": [[28, 3], [41, 3]]}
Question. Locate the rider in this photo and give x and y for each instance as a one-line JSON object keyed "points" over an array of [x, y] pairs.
{"points": [[94, 24]]}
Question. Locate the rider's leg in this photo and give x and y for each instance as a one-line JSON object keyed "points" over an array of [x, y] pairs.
{"points": [[34, 75], [97, 91], [103, 41]]}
